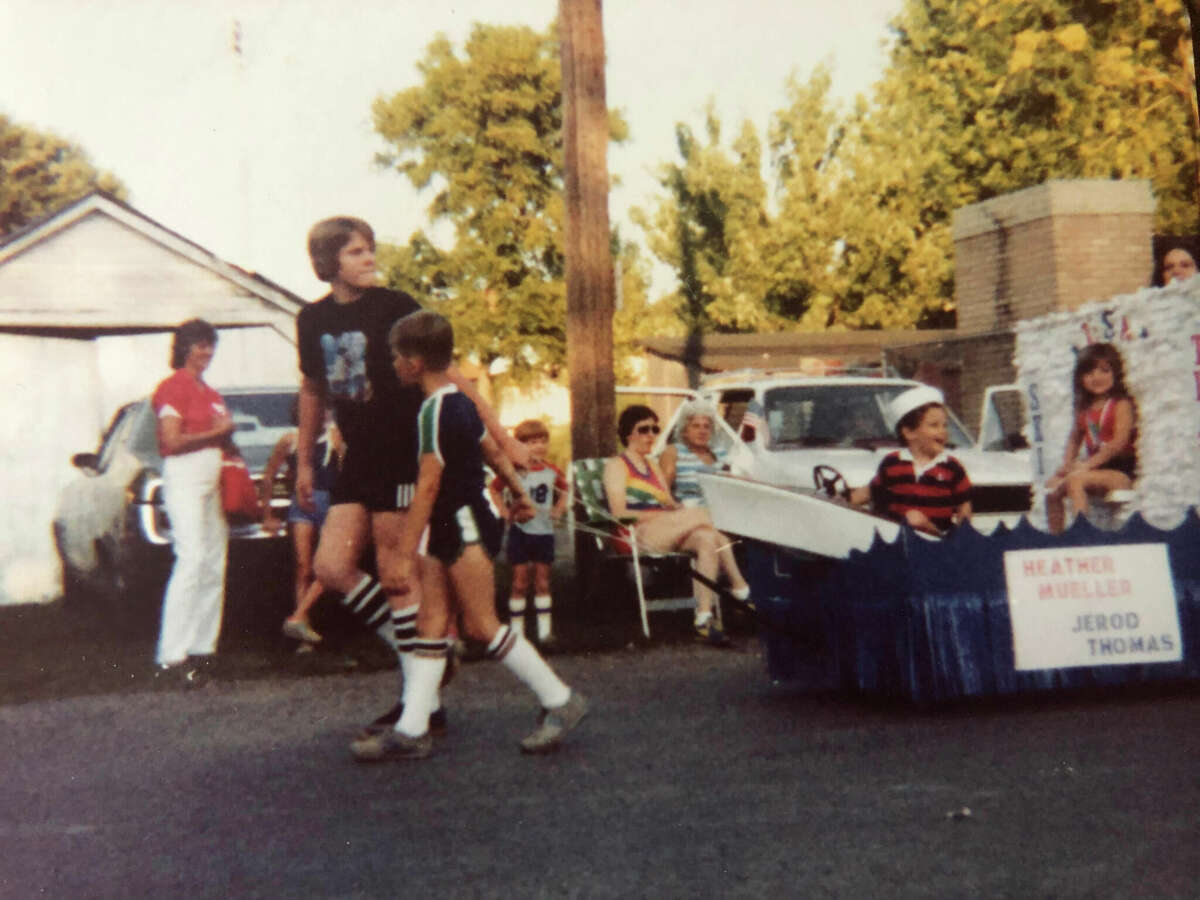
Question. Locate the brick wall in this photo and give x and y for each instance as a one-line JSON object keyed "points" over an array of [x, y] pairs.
{"points": [[963, 367], [1050, 247]]}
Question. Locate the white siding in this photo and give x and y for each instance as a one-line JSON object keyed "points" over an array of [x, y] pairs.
{"points": [[99, 271], [50, 411]]}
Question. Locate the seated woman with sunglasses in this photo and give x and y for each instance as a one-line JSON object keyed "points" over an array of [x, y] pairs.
{"points": [[635, 487]]}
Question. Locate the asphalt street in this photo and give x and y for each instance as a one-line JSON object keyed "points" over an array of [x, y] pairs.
{"points": [[692, 777]]}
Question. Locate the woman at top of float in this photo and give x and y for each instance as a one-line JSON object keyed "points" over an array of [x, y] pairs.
{"points": [[1175, 259]]}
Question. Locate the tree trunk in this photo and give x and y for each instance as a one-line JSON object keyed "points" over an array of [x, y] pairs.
{"points": [[588, 257]]}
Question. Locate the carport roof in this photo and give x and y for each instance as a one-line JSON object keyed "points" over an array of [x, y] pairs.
{"points": [[82, 298], [722, 352]]}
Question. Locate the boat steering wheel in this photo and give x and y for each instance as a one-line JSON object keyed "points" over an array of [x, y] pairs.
{"points": [[827, 479]]}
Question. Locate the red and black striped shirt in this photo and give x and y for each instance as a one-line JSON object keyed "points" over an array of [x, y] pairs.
{"points": [[941, 489]]}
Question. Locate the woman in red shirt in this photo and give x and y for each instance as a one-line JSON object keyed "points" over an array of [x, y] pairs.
{"points": [[193, 427]]}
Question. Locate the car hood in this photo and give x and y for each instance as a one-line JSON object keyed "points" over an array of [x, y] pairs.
{"points": [[794, 467]]}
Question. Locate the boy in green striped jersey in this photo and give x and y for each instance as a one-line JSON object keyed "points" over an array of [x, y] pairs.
{"points": [[464, 536]]}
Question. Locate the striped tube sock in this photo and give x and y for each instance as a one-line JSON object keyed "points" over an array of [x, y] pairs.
{"points": [[404, 636], [541, 603], [368, 604], [520, 657], [516, 614]]}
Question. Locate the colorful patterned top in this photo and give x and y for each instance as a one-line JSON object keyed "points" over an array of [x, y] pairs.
{"points": [[643, 490]]}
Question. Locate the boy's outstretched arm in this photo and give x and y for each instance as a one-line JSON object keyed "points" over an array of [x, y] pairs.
{"points": [[514, 449], [522, 508]]}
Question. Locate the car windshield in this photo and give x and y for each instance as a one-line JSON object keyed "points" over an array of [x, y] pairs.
{"points": [[843, 415]]}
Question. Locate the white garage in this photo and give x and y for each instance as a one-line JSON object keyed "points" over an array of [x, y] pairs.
{"points": [[88, 300]]}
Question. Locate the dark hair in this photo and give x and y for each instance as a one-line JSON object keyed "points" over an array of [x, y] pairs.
{"points": [[1088, 358], [531, 429], [426, 335], [327, 238], [188, 335], [1164, 244], [629, 417], [913, 419]]}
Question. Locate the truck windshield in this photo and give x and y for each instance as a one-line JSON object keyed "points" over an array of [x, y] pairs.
{"points": [[845, 415]]}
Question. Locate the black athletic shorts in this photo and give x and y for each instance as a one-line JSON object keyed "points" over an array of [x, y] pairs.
{"points": [[472, 523], [1126, 464], [380, 476]]}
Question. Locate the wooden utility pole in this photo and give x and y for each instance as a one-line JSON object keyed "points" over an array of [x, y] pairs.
{"points": [[589, 259]]}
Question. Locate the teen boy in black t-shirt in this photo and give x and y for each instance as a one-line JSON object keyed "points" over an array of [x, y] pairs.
{"points": [[345, 362]]}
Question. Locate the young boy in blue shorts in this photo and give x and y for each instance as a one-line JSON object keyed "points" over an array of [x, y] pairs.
{"points": [[530, 546], [464, 536]]}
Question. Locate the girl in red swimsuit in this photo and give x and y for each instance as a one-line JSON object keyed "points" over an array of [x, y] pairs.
{"points": [[1104, 427]]}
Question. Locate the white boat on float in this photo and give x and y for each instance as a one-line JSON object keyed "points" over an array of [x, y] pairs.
{"points": [[799, 519]]}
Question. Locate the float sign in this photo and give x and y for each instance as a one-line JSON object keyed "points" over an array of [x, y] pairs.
{"points": [[1092, 606]]}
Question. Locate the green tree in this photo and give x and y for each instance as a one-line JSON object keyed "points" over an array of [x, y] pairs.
{"points": [[483, 132], [708, 227], [984, 97], [980, 98], [41, 173]]}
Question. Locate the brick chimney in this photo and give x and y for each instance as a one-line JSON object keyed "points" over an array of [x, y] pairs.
{"points": [[1050, 247]]}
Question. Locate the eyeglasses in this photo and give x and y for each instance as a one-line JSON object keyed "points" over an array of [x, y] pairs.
{"points": [[647, 429]]}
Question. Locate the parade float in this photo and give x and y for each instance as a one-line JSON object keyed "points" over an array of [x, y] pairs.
{"points": [[1115, 599]]}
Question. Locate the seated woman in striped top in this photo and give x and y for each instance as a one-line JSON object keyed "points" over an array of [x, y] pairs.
{"points": [[691, 453], [635, 486]]}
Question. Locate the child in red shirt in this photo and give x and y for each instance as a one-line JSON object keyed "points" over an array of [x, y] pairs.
{"points": [[921, 485]]}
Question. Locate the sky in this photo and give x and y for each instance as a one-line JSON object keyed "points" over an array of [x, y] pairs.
{"points": [[239, 123]]}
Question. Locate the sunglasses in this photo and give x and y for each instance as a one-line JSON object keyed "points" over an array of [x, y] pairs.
{"points": [[647, 429]]}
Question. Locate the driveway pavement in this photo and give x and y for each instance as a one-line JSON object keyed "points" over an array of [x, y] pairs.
{"points": [[692, 777]]}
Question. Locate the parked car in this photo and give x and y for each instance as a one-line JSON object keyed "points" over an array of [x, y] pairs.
{"points": [[777, 427], [110, 527]]}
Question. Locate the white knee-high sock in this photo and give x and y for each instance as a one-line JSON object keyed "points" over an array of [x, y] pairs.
{"points": [[516, 614], [541, 603], [520, 657], [420, 693]]}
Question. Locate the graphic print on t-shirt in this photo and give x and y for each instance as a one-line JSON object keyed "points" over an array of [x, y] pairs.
{"points": [[346, 365]]}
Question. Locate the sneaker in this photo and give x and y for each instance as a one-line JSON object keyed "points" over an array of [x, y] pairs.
{"points": [[184, 674], [553, 725], [392, 745], [711, 633], [438, 723], [301, 631]]}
